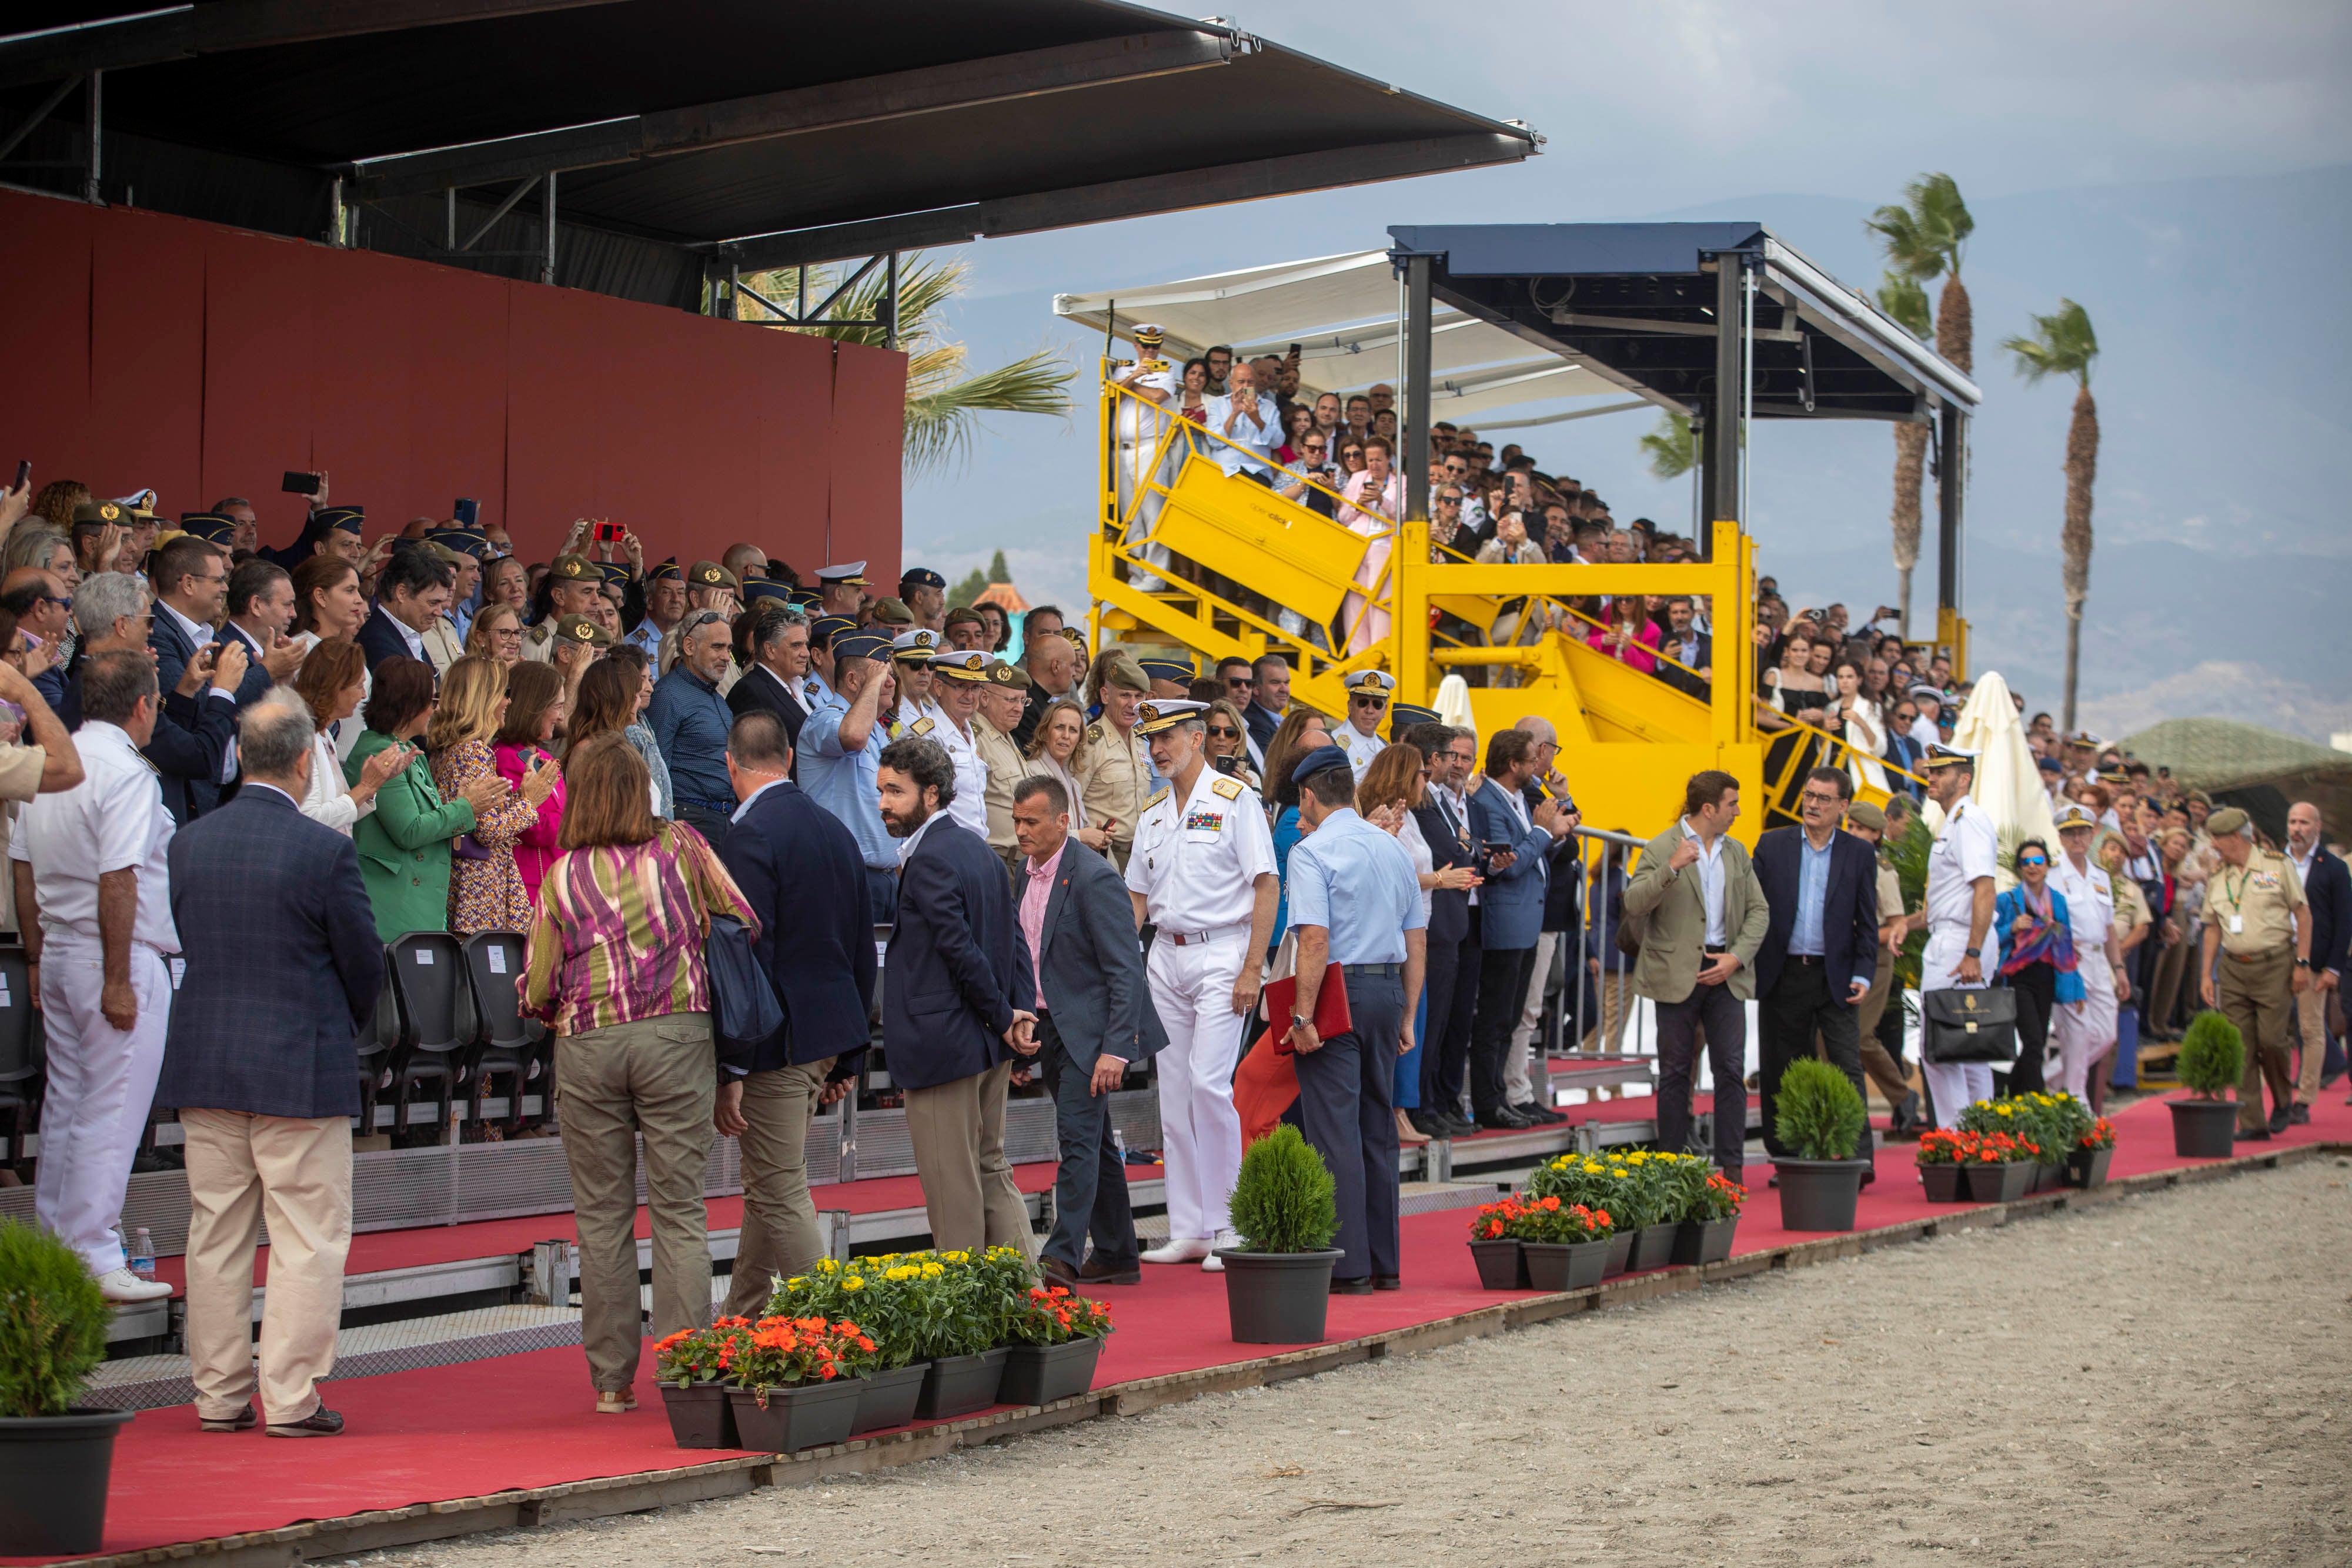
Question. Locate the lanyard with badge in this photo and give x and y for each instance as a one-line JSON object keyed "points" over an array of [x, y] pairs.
{"points": [[2237, 897]]}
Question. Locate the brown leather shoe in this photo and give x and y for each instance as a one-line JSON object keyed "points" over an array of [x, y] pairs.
{"points": [[616, 1402], [1097, 1272], [1057, 1272]]}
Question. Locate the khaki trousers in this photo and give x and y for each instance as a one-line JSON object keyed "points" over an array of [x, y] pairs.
{"points": [[296, 1173], [2311, 1018], [958, 1133], [779, 1237], [655, 1078], [2256, 995], [1882, 1070]]}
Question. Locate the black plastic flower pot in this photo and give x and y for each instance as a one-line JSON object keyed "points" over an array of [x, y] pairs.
{"points": [[2003, 1183], [1705, 1240], [2088, 1167], [1621, 1250], [54, 1471], [1044, 1374], [801, 1415], [1654, 1246], [701, 1416], [2204, 1129], [1279, 1298], [1818, 1194], [959, 1384], [1501, 1265], [889, 1398], [1566, 1265], [1945, 1182]]}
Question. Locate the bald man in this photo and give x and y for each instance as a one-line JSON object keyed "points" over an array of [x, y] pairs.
{"points": [[1526, 1076], [2328, 889]]}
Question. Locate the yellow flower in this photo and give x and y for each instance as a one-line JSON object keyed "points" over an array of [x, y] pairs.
{"points": [[1619, 1174], [795, 1283], [2004, 1110], [854, 1282], [826, 1266], [932, 1271]]}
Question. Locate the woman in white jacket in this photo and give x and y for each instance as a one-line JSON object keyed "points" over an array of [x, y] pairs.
{"points": [[332, 681]]}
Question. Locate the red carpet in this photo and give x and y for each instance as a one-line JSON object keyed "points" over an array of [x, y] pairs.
{"points": [[525, 1420]]}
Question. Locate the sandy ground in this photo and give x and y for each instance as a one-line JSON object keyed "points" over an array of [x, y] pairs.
{"points": [[2156, 1381]]}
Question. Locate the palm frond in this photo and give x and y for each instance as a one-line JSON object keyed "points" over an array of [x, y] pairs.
{"points": [[1904, 300], [941, 421], [2062, 344], [1925, 235], [1671, 448], [1937, 199]]}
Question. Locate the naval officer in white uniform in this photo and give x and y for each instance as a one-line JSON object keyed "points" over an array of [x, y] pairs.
{"points": [[1143, 426], [1959, 918], [1358, 735]]}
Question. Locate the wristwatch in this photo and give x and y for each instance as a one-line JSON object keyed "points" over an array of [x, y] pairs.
{"points": [[1974, 952], [1300, 1021], [2303, 963]]}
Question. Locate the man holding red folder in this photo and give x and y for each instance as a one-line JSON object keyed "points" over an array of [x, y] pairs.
{"points": [[1354, 903]]}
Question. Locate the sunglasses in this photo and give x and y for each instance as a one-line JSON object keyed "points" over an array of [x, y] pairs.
{"points": [[1375, 704], [2032, 860], [1224, 732]]}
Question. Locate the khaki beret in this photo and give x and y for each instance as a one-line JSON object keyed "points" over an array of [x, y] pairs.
{"points": [[1122, 671], [574, 568], [708, 574], [1863, 814], [2227, 820], [580, 629], [1001, 673], [892, 613]]}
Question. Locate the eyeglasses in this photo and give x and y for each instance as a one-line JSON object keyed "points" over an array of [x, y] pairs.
{"points": [[1375, 704], [2033, 860], [1224, 732], [1822, 798], [1240, 683]]}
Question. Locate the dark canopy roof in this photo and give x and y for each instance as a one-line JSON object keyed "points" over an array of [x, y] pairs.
{"points": [[689, 132], [1635, 303]]}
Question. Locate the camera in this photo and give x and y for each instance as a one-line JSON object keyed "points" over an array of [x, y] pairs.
{"points": [[1227, 765]]}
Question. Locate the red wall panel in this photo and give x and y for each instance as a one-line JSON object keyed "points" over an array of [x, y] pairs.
{"points": [[221, 358]]}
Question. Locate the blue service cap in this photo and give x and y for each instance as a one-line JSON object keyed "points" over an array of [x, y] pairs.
{"points": [[920, 577], [860, 645], [464, 541], [1316, 761], [1169, 670], [1404, 716], [347, 518], [210, 527], [760, 591], [667, 571], [825, 628]]}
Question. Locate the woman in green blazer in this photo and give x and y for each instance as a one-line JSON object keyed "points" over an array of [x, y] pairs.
{"points": [[403, 843]]}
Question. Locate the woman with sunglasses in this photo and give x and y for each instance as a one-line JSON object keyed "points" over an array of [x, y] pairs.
{"points": [[1228, 748], [2037, 960]]}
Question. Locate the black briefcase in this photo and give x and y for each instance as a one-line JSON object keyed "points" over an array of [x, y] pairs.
{"points": [[1968, 1024]]}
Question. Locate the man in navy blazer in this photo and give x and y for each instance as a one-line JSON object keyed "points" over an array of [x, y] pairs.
{"points": [[1094, 1019], [1821, 949], [958, 1003], [1510, 912], [411, 593], [283, 965], [799, 868]]}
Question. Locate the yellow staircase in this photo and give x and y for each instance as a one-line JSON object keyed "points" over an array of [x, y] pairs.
{"points": [[1186, 555]]}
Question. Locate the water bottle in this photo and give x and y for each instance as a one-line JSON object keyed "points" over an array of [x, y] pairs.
{"points": [[142, 1254], [1118, 1143]]}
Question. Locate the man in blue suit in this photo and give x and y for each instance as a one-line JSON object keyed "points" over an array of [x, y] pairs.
{"points": [[1095, 1018], [283, 965], [1516, 841], [798, 868], [190, 578], [1821, 948], [960, 1002], [411, 593]]}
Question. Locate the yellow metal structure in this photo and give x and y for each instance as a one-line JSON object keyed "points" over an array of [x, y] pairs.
{"points": [[1187, 555]]}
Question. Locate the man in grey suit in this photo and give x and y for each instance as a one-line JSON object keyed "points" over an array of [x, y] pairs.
{"points": [[1094, 1017]]}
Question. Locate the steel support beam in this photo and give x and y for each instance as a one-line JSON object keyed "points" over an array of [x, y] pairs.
{"points": [[547, 265], [1412, 462], [1720, 454], [1129, 198], [219, 27], [1951, 494], [898, 95], [93, 161], [48, 106], [503, 208]]}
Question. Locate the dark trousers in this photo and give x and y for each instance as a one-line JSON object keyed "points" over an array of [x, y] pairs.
{"points": [[882, 891], [1347, 1110], [1502, 991], [712, 825], [1716, 1010], [2036, 985], [1452, 987], [1799, 1003], [1090, 1187]]}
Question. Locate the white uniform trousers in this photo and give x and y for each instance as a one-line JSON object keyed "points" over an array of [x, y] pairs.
{"points": [[1199, 1131], [1954, 1085], [1525, 1082], [2086, 1030], [1141, 464], [101, 1083]]}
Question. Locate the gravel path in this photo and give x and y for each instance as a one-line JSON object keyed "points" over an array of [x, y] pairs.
{"points": [[2156, 1381]]}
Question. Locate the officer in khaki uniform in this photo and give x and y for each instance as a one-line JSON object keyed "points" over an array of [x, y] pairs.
{"points": [[574, 585], [1868, 824], [991, 734], [1117, 779], [2257, 921]]}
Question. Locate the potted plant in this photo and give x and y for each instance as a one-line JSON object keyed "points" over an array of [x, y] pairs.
{"points": [[1502, 1266], [1655, 1204], [2212, 1057], [694, 1367], [1278, 1281], [59, 1455], [2040, 1129], [1710, 1215], [1940, 1156], [1566, 1244], [2086, 1165], [1598, 1181], [796, 1382], [1057, 1338], [1822, 1118], [890, 1296], [961, 1332], [1999, 1166]]}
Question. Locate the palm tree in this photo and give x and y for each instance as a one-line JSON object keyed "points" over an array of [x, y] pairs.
{"points": [[1670, 448], [1925, 238], [1903, 298], [2064, 345], [943, 404]]}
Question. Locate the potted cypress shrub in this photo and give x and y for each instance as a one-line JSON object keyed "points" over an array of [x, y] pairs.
{"points": [[56, 1456], [1821, 1119], [2212, 1057], [1939, 1157], [1057, 1338], [1494, 1246], [1278, 1281], [1566, 1244]]}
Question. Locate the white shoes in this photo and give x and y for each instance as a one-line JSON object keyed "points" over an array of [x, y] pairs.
{"points": [[1212, 1264], [122, 1285], [1180, 1249]]}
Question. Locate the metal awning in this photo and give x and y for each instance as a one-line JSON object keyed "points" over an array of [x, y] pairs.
{"points": [[734, 132], [1635, 303], [1344, 311]]}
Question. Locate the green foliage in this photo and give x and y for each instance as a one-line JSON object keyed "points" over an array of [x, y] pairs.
{"points": [[1926, 236], [53, 1321], [968, 591], [1822, 1114], [1908, 856], [1672, 450], [997, 570], [1284, 1200], [915, 1306], [2212, 1056], [1549, 1220], [2053, 1124], [2062, 344], [1904, 300]]}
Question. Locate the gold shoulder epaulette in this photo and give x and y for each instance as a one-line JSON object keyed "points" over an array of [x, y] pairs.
{"points": [[1231, 789], [1164, 792]]}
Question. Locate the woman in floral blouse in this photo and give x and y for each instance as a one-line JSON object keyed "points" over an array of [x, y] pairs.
{"points": [[485, 891]]}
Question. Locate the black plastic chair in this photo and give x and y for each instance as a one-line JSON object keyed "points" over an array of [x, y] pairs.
{"points": [[437, 1027], [23, 1050], [379, 1038], [507, 1044]]}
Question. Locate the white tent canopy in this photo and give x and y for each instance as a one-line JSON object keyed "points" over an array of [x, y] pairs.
{"points": [[1343, 311]]}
